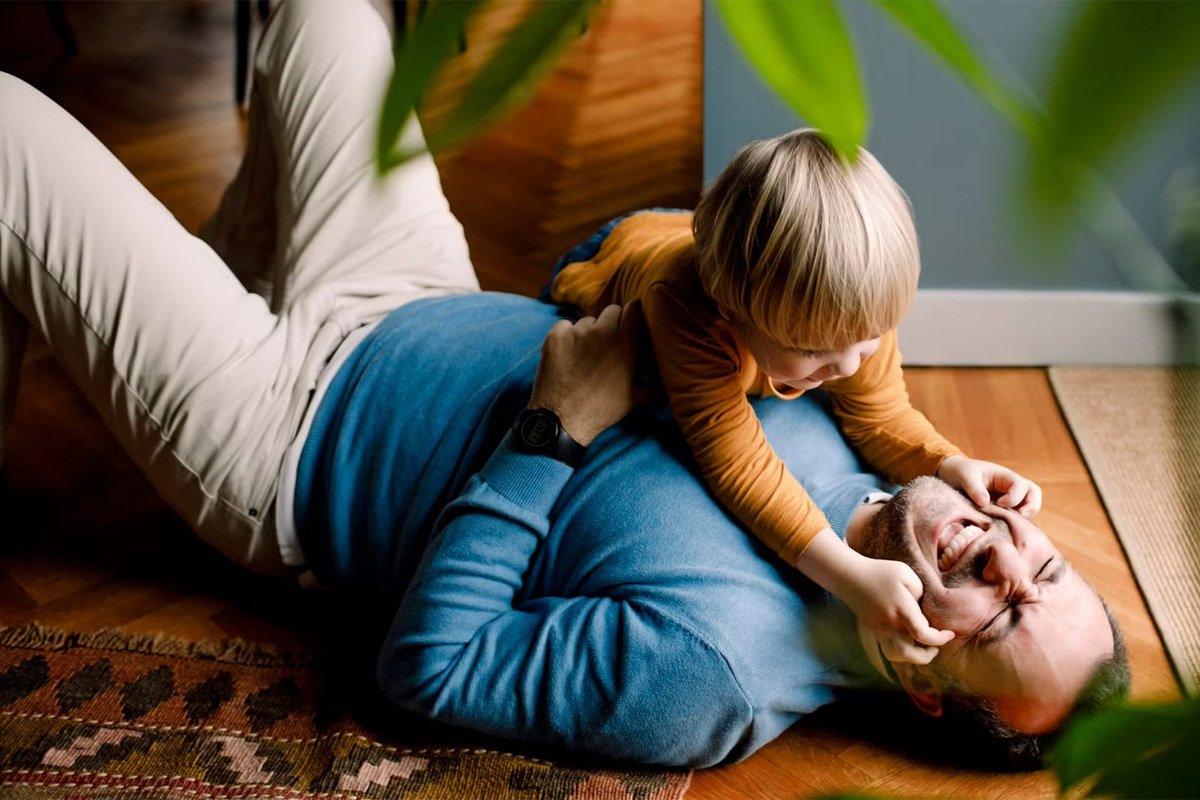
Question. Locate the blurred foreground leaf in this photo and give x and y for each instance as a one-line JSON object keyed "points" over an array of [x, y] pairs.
{"points": [[802, 51], [928, 21], [1135, 751], [510, 75], [1118, 66], [418, 59]]}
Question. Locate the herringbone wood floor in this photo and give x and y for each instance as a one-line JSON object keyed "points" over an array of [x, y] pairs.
{"points": [[86, 544]]}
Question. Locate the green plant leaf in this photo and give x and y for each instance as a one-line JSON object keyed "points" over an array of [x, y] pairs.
{"points": [[1136, 751], [527, 54], [803, 52], [1119, 64], [418, 59], [928, 21]]}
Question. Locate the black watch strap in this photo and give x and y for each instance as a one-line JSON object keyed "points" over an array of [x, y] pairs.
{"points": [[539, 431]]}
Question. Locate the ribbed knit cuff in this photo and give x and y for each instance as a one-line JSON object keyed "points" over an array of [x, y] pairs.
{"points": [[533, 482], [840, 506]]}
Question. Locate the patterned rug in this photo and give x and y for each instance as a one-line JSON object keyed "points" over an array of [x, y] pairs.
{"points": [[111, 715]]}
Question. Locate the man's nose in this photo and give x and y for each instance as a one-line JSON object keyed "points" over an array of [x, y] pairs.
{"points": [[1006, 569]]}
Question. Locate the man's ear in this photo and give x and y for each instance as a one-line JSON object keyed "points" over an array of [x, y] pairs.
{"points": [[922, 687]]}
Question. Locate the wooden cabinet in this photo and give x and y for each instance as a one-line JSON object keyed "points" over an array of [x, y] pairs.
{"points": [[615, 128]]}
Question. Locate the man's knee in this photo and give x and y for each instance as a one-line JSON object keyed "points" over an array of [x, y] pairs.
{"points": [[24, 108], [33, 129], [330, 31]]}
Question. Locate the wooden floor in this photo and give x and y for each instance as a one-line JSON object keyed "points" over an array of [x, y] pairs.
{"points": [[85, 544]]}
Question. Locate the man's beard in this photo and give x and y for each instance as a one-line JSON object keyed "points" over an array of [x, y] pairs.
{"points": [[887, 536], [891, 533]]}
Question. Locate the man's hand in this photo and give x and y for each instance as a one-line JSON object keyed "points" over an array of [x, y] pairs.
{"points": [[983, 479], [586, 375]]}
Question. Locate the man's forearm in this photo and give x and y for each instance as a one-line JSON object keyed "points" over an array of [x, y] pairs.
{"points": [[606, 675], [470, 573]]}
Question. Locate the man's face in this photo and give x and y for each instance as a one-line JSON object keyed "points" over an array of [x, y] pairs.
{"points": [[1028, 629]]}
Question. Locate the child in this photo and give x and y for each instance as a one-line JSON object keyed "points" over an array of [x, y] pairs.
{"points": [[792, 273]]}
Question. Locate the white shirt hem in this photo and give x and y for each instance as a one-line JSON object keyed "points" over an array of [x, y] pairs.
{"points": [[285, 498]]}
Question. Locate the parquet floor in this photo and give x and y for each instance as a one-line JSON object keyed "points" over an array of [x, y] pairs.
{"points": [[85, 544]]}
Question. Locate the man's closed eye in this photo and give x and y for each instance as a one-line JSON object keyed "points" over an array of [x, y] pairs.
{"points": [[991, 633]]}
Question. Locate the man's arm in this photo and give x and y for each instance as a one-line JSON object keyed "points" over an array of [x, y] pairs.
{"points": [[607, 675]]}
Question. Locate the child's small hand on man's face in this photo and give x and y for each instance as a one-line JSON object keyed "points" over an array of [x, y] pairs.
{"points": [[884, 596], [982, 480]]}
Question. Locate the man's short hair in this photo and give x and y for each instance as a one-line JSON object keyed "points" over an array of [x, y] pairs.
{"points": [[972, 720]]}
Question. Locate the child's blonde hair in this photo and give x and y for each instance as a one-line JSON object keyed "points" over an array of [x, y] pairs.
{"points": [[810, 250]]}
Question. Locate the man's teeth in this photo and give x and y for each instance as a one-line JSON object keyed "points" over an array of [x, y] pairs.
{"points": [[958, 545]]}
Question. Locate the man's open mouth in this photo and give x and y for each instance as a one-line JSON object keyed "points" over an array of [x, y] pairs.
{"points": [[953, 540]]}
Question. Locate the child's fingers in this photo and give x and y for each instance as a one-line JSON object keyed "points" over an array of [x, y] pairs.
{"points": [[932, 637], [1033, 500], [909, 612], [897, 648], [913, 621], [919, 628], [1018, 488], [977, 490], [912, 584]]}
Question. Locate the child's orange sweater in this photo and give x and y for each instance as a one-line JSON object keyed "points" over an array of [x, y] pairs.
{"points": [[707, 373]]}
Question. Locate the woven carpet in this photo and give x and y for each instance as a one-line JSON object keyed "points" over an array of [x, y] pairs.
{"points": [[110, 715], [1139, 431]]}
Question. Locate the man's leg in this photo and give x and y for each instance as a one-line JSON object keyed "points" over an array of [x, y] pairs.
{"points": [[188, 370], [243, 229], [346, 241]]}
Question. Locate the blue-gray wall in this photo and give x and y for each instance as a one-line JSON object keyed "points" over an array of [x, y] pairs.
{"points": [[953, 155]]}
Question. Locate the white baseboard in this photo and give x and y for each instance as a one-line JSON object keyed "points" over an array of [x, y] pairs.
{"points": [[976, 327]]}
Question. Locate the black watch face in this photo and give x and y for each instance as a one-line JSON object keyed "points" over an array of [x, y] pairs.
{"points": [[539, 429]]}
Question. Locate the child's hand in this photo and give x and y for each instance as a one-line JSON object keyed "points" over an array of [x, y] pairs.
{"points": [[883, 595], [982, 479]]}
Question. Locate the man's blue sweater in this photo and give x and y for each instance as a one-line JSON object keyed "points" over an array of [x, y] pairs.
{"points": [[613, 609]]}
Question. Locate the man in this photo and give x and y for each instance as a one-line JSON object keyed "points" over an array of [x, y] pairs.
{"points": [[1033, 642], [610, 607], [608, 604]]}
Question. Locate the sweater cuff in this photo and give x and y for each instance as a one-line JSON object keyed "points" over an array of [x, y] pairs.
{"points": [[533, 482], [840, 506]]}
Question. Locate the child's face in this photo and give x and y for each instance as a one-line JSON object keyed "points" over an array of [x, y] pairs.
{"points": [[802, 369]]}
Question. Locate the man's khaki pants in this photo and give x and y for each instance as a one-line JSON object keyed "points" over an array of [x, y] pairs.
{"points": [[202, 355]]}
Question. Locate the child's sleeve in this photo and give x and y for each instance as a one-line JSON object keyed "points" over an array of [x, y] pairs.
{"points": [[878, 419], [701, 372]]}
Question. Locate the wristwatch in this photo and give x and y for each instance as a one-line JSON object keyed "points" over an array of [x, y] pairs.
{"points": [[539, 431]]}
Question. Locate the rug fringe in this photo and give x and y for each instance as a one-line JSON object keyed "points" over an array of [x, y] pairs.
{"points": [[35, 636]]}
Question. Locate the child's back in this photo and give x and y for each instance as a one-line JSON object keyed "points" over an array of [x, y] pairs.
{"points": [[792, 274], [794, 261]]}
